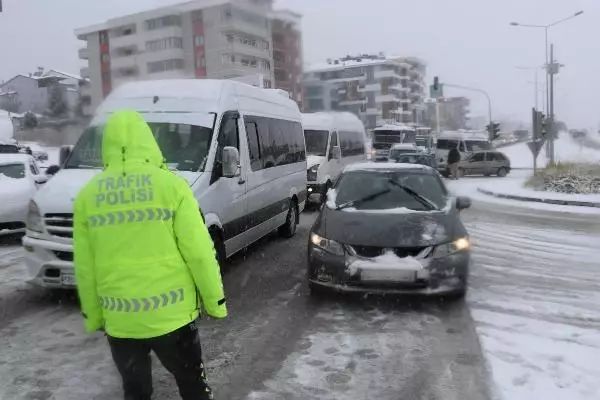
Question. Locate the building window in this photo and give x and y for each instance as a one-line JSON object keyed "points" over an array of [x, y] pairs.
{"points": [[200, 61], [265, 45], [197, 16], [227, 15], [230, 37], [163, 22], [199, 40], [165, 43], [267, 83], [265, 65], [165, 65], [281, 76]]}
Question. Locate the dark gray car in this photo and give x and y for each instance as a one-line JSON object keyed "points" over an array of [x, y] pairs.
{"points": [[390, 228]]}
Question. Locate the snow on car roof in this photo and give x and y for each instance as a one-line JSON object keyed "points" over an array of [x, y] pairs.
{"points": [[371, 166], [14, 158], [332, 120], [404, 146]]}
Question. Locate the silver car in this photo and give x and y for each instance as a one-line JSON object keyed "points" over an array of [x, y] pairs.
{"points": [[485, 163]]}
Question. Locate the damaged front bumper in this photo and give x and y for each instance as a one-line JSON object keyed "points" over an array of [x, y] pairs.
{"points": [[427, 277]]}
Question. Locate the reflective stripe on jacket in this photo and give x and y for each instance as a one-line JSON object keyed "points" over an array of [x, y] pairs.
{"points": [[142, 250]]}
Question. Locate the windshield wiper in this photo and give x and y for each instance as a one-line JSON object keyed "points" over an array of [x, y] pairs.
{"points": [[422, 199], [362, 200]]}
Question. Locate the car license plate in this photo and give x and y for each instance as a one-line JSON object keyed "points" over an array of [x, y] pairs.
{"points": [[67, 280], [388, 275]]}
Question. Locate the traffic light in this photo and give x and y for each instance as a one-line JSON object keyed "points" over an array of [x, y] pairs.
{"points": [[493, 128], [543, 124], [436, 81]]}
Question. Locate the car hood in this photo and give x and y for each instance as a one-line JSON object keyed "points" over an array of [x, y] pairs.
{"points": [[403, 228], [58, 194], [15, 190], [311, 161]]}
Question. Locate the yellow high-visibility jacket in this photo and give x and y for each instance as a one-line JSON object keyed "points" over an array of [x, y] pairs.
{"points": [[143, 256]]}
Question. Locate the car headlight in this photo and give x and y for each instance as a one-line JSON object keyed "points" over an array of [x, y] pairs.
{"points": [[460, 244], [330, 246], [34, 218], [311, 174]]}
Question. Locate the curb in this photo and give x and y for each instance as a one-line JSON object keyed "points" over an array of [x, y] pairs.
{"points": [[540, 200]]}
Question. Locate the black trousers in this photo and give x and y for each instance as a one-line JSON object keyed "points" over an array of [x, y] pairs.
{"points": [[179, 352]]}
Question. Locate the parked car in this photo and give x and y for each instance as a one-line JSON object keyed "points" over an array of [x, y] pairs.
{"points": [[485, 163], [20, 178], [421, 158], [390, 228]]}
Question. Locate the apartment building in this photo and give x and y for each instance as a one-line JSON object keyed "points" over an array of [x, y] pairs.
{"points": [[217, 39], [287, 52], [453, 113], [378, 89]]}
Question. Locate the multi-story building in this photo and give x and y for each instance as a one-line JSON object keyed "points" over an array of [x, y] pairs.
{"points": [[453, 113], [287, 52], [376, 88], [218, 39]]}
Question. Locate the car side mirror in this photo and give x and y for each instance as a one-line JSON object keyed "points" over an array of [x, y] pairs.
{"points": [[64, 153], [463, 202], [52, 170], [40, 179], [231, 162], [337, 153]]}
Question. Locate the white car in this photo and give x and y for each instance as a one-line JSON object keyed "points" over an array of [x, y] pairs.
{"points": [[20, 178]]}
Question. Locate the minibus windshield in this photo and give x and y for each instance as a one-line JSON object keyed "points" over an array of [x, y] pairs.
{"points": [[185, 147]]}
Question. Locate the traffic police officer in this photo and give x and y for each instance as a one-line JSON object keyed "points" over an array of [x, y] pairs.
{"points": [[145, 262]]}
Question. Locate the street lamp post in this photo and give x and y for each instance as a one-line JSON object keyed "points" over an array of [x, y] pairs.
{"points": [[546, 28]]}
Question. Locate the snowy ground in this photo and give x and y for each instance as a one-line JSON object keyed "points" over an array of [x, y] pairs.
{"points": [[536, 302], [468, 187], [566, 150]]}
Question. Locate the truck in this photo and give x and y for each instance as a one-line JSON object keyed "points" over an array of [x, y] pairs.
{"points": [[385, 136]]}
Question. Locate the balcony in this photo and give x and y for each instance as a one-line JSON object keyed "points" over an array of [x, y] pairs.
{"points": [[389, 74], [352, 102], [372, 87], [83, 53], [84, 72], [373, 111], [400, 88]]}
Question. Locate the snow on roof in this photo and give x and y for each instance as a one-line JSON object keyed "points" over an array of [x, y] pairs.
{"points": [[394, 127], [406, 62], [55, 72], [372, 166], [14, 158], [332, 120]]}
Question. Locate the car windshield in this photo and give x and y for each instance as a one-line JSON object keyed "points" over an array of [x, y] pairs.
{"points": [[316, 142], [446, 144], [15, 171], [355, 185], [184, 146], [409, 158]]}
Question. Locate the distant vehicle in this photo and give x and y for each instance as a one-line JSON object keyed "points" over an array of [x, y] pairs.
{"points": [[333, 141], [398, 149], [390, 228], [40, 155], [420, 158], [384, 137], [240, 148], [466, 142], [20, 178], [485, 163]]}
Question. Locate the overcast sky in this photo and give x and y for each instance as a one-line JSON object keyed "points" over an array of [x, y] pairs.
{"points": [[464, 42]]}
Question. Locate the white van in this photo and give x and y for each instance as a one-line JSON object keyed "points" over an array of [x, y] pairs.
{"points": [[467, 143], [241, 149], [333, 140]]}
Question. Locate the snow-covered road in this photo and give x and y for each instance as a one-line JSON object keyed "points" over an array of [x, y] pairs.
{"points": [[534, 306]]}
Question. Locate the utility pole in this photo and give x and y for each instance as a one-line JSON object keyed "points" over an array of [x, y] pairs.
{"points": [[437, 115], [552, 70]]}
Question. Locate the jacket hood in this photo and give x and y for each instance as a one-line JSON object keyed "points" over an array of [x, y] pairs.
{"points": [[127, 140]]}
